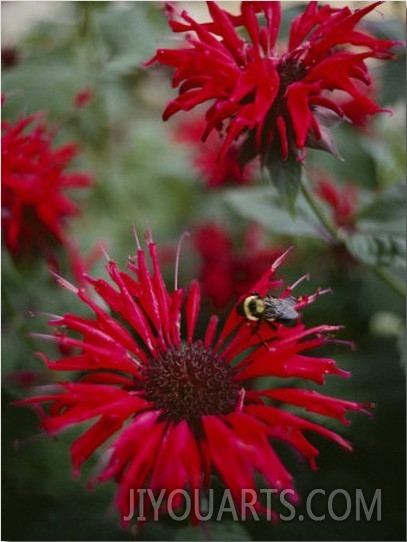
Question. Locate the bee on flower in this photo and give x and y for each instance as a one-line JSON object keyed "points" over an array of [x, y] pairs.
{"points": [[170, 403]]}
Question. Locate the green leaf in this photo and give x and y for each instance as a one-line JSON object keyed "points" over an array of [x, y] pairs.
{"points": [[264, 206], [223, 530], [388, 205], [388, 29], [286, 177], [389, 324], [380, 240], [129, 33], [393, 72], [389, 152], [45, 82], [374, 249]]}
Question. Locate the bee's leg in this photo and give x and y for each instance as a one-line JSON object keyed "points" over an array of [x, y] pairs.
{"points": [[256, 331], [272, 325], [255, 328]]}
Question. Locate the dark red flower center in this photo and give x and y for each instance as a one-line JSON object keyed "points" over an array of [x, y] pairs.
{"points": [[189, 382], [290, 71]]}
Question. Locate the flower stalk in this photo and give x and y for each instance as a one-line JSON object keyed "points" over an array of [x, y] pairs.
{"points": [[330, 227]]}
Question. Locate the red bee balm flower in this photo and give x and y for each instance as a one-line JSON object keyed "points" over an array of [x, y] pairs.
{"points": [[279, 100], [34, 203], [177, 411]]}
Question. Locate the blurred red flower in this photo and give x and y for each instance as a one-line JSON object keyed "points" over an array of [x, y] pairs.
{"points": [[35, 205], [215, 173], [177, 411], [83, 97], [343, 202], [277, 100], [225, 273]]}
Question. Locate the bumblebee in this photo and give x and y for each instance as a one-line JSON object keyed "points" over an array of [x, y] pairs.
{"points": [[269, 309]]}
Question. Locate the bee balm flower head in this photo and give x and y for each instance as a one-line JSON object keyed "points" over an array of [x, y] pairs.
{"points": [[278, 100], [176, 407], [35, 205]]}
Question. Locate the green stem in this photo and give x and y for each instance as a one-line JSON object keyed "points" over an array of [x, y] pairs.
{"points": [[391, 281], [92, 61], [319, 213]]}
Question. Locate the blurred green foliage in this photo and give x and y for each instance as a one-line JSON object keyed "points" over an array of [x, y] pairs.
{"points": [[144, 178]]}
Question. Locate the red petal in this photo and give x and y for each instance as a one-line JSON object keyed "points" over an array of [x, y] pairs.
{"points": [[192, 309]]}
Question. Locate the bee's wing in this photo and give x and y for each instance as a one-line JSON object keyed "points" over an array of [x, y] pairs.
{"points": [[287, 308], [282, 309], [272, 310]]}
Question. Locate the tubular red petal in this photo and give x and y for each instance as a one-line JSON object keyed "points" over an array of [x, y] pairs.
{"points": [[210, 331], [226, 29], [192, 309], [139, 468], [315, 402], [264, 458], [222, 442], [161, 294], [276, 416], [94, 437]]}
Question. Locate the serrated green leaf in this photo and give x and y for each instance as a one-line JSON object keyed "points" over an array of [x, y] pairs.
{"points": [[261, 205], [377, 249], [223, 530]]}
